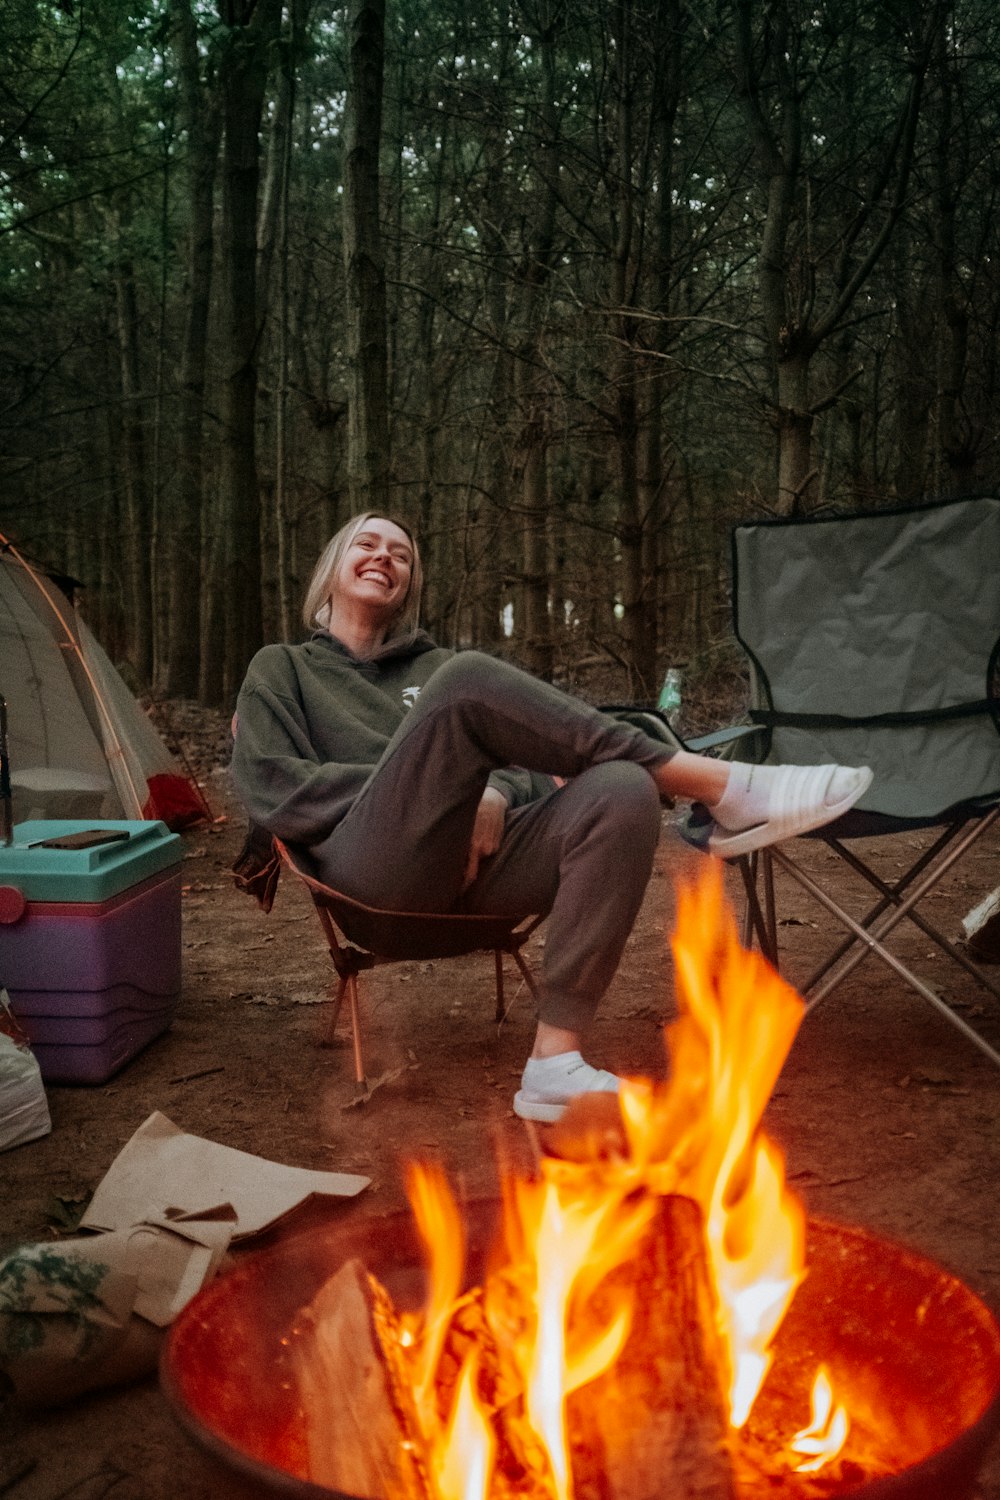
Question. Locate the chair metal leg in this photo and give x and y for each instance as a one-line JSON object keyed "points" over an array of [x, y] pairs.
{"points": [[502, 1011], [881, 929], [330, 1039], [890, 894], [892, 897], [873, 944], [352, 1003], [526, 973], [751, 927], [759, 920]]}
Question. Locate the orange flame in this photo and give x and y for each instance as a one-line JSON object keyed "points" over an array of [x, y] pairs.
{"points": [[462, 1463], [826, 1434], [697, 1134], [443, 1234], [574, 1244], [700, 1133]]}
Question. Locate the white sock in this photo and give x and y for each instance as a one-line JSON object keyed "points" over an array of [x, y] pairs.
{"points": [[749, 792], [551, 1067], [565, 1073]]}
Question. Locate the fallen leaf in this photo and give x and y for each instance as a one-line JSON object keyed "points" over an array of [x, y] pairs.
{"points": [[645, 1013], [64, 1211], [373, 1084], [932, 1080]]}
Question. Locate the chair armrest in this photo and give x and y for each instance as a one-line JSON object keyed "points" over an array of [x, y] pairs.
{"points": [[727, 736], [654, 721]]}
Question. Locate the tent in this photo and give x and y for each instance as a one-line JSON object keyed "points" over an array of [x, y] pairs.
{"points": [[79, 745]]}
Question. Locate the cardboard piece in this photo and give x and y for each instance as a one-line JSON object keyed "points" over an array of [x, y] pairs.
{"points": [[82, 1313], [165, 1176]]}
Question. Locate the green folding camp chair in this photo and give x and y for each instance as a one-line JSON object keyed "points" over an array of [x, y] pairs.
{"points": [[874, 639]]}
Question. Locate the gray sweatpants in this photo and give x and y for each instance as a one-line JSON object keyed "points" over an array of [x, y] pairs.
{"points": [[582, 854]]}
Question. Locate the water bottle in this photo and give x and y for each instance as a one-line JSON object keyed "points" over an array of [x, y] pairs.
{"points": [[669, 701]]}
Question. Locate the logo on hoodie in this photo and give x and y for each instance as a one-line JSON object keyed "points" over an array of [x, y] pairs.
{"points": [[410, 696]]}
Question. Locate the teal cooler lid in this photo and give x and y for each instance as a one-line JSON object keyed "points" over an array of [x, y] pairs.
{"points": [[86, 874]]}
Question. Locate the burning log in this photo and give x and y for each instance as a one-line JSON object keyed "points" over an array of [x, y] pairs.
{"points": [[656, 1423], [658, 1416], [358, 1438]]}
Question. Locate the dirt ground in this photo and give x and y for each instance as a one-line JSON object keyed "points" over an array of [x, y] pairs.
{"points": [[887, 1115]]}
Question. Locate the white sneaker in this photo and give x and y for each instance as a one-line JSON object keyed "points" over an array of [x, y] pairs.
{"points": [[800, 798], [549, 1084]]}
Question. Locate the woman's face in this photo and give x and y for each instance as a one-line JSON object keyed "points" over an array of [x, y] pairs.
{"points": [[374, 573]]}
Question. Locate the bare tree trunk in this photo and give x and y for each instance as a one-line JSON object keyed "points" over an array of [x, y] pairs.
{"points": [[135, 477], [770, 78], [213, 602], [653, 487], [534, 472], [796, 475], [956, 444], [431, 404], [531, 379], [914, 383], [778, 155], [494, 534], [368, 462], [638, 586], [254, 25], [273, 238], [202, 122]]}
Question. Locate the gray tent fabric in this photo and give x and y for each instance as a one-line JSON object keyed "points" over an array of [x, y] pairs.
{"points": [[890, 622], [80, 745]]}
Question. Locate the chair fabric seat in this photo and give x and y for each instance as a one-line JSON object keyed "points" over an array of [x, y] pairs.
{"points": [[874, 639], [414, 935], [864, 616]]}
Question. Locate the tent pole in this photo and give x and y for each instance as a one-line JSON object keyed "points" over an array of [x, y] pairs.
{"points": [[5, 792], [114, 751]]}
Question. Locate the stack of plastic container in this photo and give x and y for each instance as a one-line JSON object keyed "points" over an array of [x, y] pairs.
{"points": [[90, 941]]}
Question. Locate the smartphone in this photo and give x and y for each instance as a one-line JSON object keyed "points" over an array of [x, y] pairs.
{"points": [[87, 838]]}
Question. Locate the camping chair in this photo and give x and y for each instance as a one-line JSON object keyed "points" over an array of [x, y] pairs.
{"points": [[874, 639], [360, 936]]}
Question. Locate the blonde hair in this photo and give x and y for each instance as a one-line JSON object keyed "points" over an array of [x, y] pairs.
{"points": [[316, 607]]}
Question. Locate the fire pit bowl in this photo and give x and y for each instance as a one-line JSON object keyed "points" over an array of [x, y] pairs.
{"points": [[909, 1341]]}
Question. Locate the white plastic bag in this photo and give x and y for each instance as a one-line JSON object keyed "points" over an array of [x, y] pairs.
{"points": [[24, 1109]]}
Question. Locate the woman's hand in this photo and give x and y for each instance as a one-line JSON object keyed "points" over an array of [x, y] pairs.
{"points": [[487, 831]]}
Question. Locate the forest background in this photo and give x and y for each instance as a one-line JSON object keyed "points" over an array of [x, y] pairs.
{"points": [[571, 285]]}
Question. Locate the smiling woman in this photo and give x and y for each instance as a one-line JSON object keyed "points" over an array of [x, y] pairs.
{"points": [[418, 779], [383, 549], [371, 585]]}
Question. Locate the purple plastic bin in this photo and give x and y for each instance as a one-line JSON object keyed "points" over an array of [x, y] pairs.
{"points": [[93, 982]]}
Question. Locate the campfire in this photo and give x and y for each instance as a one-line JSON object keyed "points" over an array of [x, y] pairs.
{"points": [[649, 1314]]}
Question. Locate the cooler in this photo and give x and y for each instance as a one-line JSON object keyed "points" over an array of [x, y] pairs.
{"points": [[90, 940]]}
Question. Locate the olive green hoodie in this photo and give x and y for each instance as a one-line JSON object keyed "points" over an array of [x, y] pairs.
{"points": [[314, 720]]}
